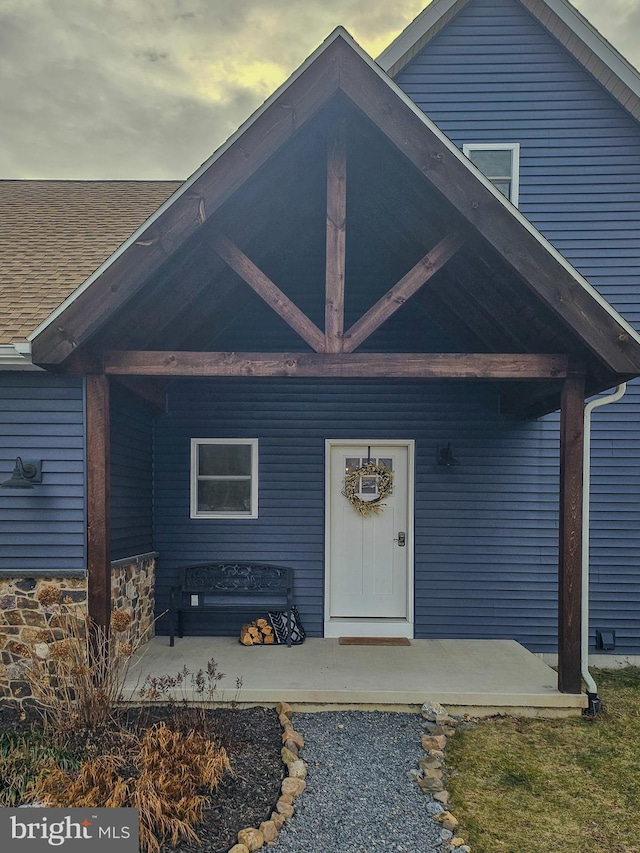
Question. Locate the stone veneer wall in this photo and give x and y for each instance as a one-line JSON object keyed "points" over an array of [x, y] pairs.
{"points": [[133, 589], [25, 620]]}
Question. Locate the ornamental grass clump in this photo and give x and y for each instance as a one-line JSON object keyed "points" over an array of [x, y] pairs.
{"points": [[22, 758], [165, 774]]}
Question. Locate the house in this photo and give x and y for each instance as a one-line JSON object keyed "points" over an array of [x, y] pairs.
{"points": [[339, 285]]}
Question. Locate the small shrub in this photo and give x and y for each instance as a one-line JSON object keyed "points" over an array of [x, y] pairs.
{"points": [[176, 689], [179, 692]]}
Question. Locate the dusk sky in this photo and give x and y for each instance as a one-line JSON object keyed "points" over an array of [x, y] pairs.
{"points": [[149, 88]]}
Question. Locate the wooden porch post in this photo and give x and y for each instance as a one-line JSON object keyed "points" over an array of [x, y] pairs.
{"points": [[98, 499], [570, 532]]}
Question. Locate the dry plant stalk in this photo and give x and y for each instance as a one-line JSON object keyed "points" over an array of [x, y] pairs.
{"points": [[188, 695], [159, 772], [78, 680]]}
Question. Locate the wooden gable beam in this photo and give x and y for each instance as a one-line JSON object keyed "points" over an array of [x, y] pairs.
{"points": [[122, 279], [271, 293], [338, 365], [517, 307], [154, 311], [532, 400], [127, 273], [186, 299], [545, 275], [395, 298], [336, 239]]}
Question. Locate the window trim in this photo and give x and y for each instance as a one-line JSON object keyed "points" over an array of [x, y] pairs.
{"points": [[514, 147], [196, 443]]}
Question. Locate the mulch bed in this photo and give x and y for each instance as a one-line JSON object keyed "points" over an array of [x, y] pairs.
{"points": [[247, 795], [253, 740]]}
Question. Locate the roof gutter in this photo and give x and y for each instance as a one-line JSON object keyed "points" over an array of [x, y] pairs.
{"points": [[16, 356], [595, 705]]}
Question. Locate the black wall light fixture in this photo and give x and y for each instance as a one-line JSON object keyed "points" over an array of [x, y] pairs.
{"points": [[24, 475], [446, 457]]}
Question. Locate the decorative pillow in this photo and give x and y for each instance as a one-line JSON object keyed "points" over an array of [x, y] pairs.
{"points": [[278, 622]]}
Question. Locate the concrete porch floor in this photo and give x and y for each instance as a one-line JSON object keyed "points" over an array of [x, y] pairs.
{"points": [[480, 677]]}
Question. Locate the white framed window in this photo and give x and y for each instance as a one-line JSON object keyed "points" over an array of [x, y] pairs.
{"points": [[498, 161], [224, 478]]}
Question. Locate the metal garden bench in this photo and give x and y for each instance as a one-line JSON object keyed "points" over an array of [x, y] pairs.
{"points": [[234, 586]]}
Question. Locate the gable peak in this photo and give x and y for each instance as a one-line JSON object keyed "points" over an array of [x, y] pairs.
{"points": [[559, 17]]}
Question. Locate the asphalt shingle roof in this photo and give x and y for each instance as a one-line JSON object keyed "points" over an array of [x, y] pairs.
{"points": [[54, 234]]}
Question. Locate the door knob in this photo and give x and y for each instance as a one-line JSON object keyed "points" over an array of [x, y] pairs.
{"points": [[401, 539]]}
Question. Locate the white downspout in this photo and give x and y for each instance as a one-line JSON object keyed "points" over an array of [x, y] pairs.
{"points": [[592, 690]]}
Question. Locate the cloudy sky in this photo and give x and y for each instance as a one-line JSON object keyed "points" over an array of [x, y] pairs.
{"points": [[149, 88]]}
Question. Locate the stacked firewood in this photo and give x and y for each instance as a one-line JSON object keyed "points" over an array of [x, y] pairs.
{"points": [[257, 633]]}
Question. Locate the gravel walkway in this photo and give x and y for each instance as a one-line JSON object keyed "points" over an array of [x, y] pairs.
{"points": [[359, 796]]}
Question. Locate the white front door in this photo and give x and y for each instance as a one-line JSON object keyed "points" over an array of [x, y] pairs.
{"points": [[369, 582]]}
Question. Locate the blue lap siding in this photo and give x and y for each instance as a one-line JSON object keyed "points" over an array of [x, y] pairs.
{"points": [[131, 476], [44, 529], [494, 74], [486, 531], [42, 418]]}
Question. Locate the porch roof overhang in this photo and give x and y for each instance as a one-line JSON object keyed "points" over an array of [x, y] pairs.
{"points": [[449, 240]]}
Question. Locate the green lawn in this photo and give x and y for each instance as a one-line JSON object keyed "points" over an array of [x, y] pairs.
{"points": [[553, 786]]}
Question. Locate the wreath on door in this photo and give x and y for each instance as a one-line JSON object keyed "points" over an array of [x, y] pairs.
{"points": [[372, 479]]}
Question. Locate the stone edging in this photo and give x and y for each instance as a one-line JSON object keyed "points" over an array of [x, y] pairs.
{"points": [[431, 772], [293, 785]]}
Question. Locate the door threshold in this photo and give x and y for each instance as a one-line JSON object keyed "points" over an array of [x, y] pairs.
{"points": [[336, 628]]}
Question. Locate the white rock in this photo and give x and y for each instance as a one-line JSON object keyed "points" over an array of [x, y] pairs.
{"points": [[42, 650], [298, 769], [431, 710]]}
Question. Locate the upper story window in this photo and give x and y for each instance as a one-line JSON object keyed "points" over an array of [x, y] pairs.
{"points": [[224, 478], [500, 162]]}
